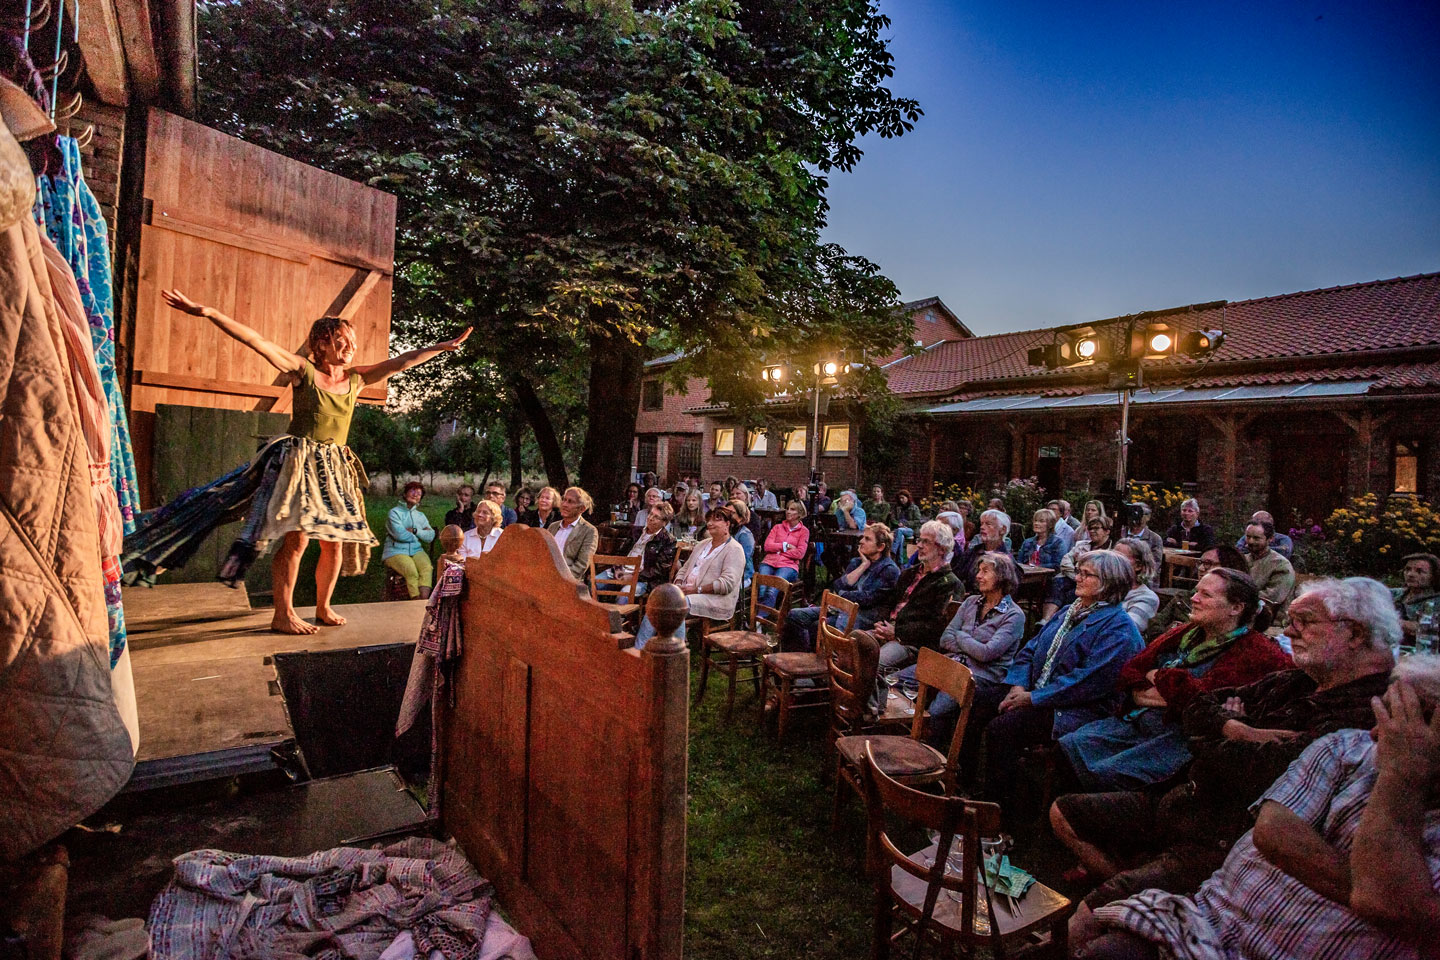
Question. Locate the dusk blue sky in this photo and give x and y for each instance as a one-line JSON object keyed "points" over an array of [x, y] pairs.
{"points": [[1078, 161]]}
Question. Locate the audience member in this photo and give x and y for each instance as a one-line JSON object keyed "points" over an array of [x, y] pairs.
{"points": [[639, 518], [1271, 572], [1420, 594], [460, 515], [676, 494], [992, 538], [1093, 510], [1141, 602], [1065, 677], [907, 521], [495, 490], [867, 582], [690, 518], [710, 577], [484, 530], [765, 497], [743, 534], [785, 547], [848, 512], [632, 507], [1069, 519], [524, 501], [1279, 542], [877, 509], [1150, 538], [985, 634], [1241, 739], [1145, 743], [546, 509], [1177, 610], [1062, 586], [1343, 860], [715, 498], [917, 602], [655, 546], [1063, 529], [1044, 549], [822, 498], [407, 530], [574, 535], [1189, 530]]}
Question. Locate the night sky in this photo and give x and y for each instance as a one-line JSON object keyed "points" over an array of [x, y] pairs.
{"points": [[1081, 160]]}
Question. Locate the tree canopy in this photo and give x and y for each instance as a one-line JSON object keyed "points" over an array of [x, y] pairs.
{"points": [[589, 181]]}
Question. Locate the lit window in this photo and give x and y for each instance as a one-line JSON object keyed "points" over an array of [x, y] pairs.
{"points": [[724, 441], [836, 440], [755, 443], [1407, 467], [796, 439]]}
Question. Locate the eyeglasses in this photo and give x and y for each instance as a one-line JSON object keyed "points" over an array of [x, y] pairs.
{"points": [[1303, 622], [1086, 575], [1205, 566]]}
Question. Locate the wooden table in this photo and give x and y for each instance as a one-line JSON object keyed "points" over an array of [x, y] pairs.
{"points": [[1177, 559], [1034, 587]]}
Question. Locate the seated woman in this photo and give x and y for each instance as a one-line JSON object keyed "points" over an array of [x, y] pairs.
{"points": [[785, 547], [744, 535], [524, 500], [689, 517], [407, 530], [1177, 610], [994, 537], [1141, 602], [546, 510], [1044, 549], [985, 635], [866, 582], [1066, 676], [481, 538], [1062, 587], [710, 578], [1189, 529], [632, 507], [1093, 509], [653, 495], [877, 508], [1218, 648], [907, 521], [1421, 593]]}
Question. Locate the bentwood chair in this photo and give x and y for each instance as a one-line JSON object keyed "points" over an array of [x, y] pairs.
{"points": [[787, 669], [908, 758], [936, 901], [734, 650]]}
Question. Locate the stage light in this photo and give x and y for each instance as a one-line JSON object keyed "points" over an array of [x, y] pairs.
{"points": [[1160, 342], [1201, 342], [1086, 348], [830, 368]]}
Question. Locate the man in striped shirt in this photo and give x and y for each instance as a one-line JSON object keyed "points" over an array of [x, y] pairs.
{"points": [[1344, 860]]}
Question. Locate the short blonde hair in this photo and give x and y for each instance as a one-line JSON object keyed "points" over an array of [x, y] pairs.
{"points": [[742, 510], [491, 507]]}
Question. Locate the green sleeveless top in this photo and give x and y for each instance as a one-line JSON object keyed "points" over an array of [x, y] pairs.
{"points": [[319, 414]]}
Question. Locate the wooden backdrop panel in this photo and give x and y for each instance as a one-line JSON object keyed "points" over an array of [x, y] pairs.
{"points": [[564, 761]]}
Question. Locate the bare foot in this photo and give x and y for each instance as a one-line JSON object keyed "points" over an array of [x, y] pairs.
{"points": [[289, 623], [329, 617]]}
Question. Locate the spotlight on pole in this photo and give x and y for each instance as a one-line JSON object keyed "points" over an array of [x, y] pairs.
{"points": [[1201, 342]]}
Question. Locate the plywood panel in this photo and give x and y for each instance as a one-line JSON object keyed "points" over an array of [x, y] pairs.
{"points": [[269, 241]]}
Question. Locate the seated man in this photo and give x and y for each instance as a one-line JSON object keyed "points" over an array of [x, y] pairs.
{"points": [[1344, 859], [867, 581], [1271, 572], [916, 604], [1280, 543], [1189, 530], [994, 537], [495, 492], [1242, 739], [655, 546]]}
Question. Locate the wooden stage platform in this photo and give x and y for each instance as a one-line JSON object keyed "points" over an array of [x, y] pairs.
{"points": [[208, 701]]}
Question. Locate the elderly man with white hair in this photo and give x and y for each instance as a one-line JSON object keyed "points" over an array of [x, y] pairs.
{"points": [[1344, 859], [1189, 530], [993, 537], [1242, 739]]}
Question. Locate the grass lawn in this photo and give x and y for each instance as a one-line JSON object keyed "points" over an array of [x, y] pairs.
{"points": [[367, 587]]}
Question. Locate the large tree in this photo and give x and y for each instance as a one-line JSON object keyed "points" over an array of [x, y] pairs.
{"points": [[612, 175]]}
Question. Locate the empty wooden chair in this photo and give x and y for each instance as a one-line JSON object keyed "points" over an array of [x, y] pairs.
{"points": [[786, 669], [620, 586], [939, 904], [908, 758], [736, 650], [854, 666]]}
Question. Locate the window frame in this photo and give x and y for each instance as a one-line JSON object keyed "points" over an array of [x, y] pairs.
{"points": [[1416, 451], [825, 431], [785, 450], [646, 386], [761, 435], [715, 450]]}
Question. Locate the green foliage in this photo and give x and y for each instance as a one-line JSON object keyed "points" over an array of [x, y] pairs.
{"points": [[1369, 535], [1022, 496], [386, 442]]}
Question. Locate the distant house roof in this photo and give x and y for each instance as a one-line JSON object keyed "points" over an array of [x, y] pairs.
{"points": [[1379, 331]]}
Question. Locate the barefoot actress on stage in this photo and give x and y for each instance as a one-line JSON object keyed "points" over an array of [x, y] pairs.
{"points": [[303, 485]]}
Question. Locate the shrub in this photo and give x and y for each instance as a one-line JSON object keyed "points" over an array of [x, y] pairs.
{"points": [[1163, 500], [1370, 536], [1022, 496], [952, 491]]}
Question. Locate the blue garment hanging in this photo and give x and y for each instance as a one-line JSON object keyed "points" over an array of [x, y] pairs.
{"points": [[68, 212]]}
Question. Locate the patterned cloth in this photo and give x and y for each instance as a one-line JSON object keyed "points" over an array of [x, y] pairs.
{"points": [[437, 653], [345, 902], [1251, 908]]}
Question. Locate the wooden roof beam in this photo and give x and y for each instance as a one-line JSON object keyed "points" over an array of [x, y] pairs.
{"points": [[104, 51]]}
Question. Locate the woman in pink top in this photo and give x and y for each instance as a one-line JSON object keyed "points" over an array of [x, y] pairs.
{"points": [[784, 548]]}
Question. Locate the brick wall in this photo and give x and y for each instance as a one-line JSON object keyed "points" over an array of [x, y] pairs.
{"points": [[671, 417], [777, 469], [100, 158]]}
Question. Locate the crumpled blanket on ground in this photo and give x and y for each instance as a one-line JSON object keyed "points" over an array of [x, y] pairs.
{"points": [[341, 903]]}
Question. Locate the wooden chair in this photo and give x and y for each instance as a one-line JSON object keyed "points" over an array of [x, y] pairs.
{"points": [[733, 650], [787, 668], [909, 759], [394, 588], [940, 905], [619, 588], [854, 667]]}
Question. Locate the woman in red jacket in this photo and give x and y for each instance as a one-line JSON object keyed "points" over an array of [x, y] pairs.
{"points": [[785, 547], [1218, 648]]}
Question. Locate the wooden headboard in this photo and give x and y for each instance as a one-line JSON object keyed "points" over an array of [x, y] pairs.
{"points": [[563, 761]]}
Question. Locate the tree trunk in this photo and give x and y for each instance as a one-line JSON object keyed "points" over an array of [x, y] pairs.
{"points": [[551, 453], [514, 428], [616, 368]]}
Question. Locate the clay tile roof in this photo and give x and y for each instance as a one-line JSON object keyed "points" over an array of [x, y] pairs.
{"points": [[1379, 315]]}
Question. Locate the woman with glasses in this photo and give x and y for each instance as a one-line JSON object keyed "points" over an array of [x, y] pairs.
{"points": [[1177, 610], [1217, 648]]}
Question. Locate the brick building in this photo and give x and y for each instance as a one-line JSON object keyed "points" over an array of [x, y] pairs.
{"points": [[682, 434], [1314, 397]]}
